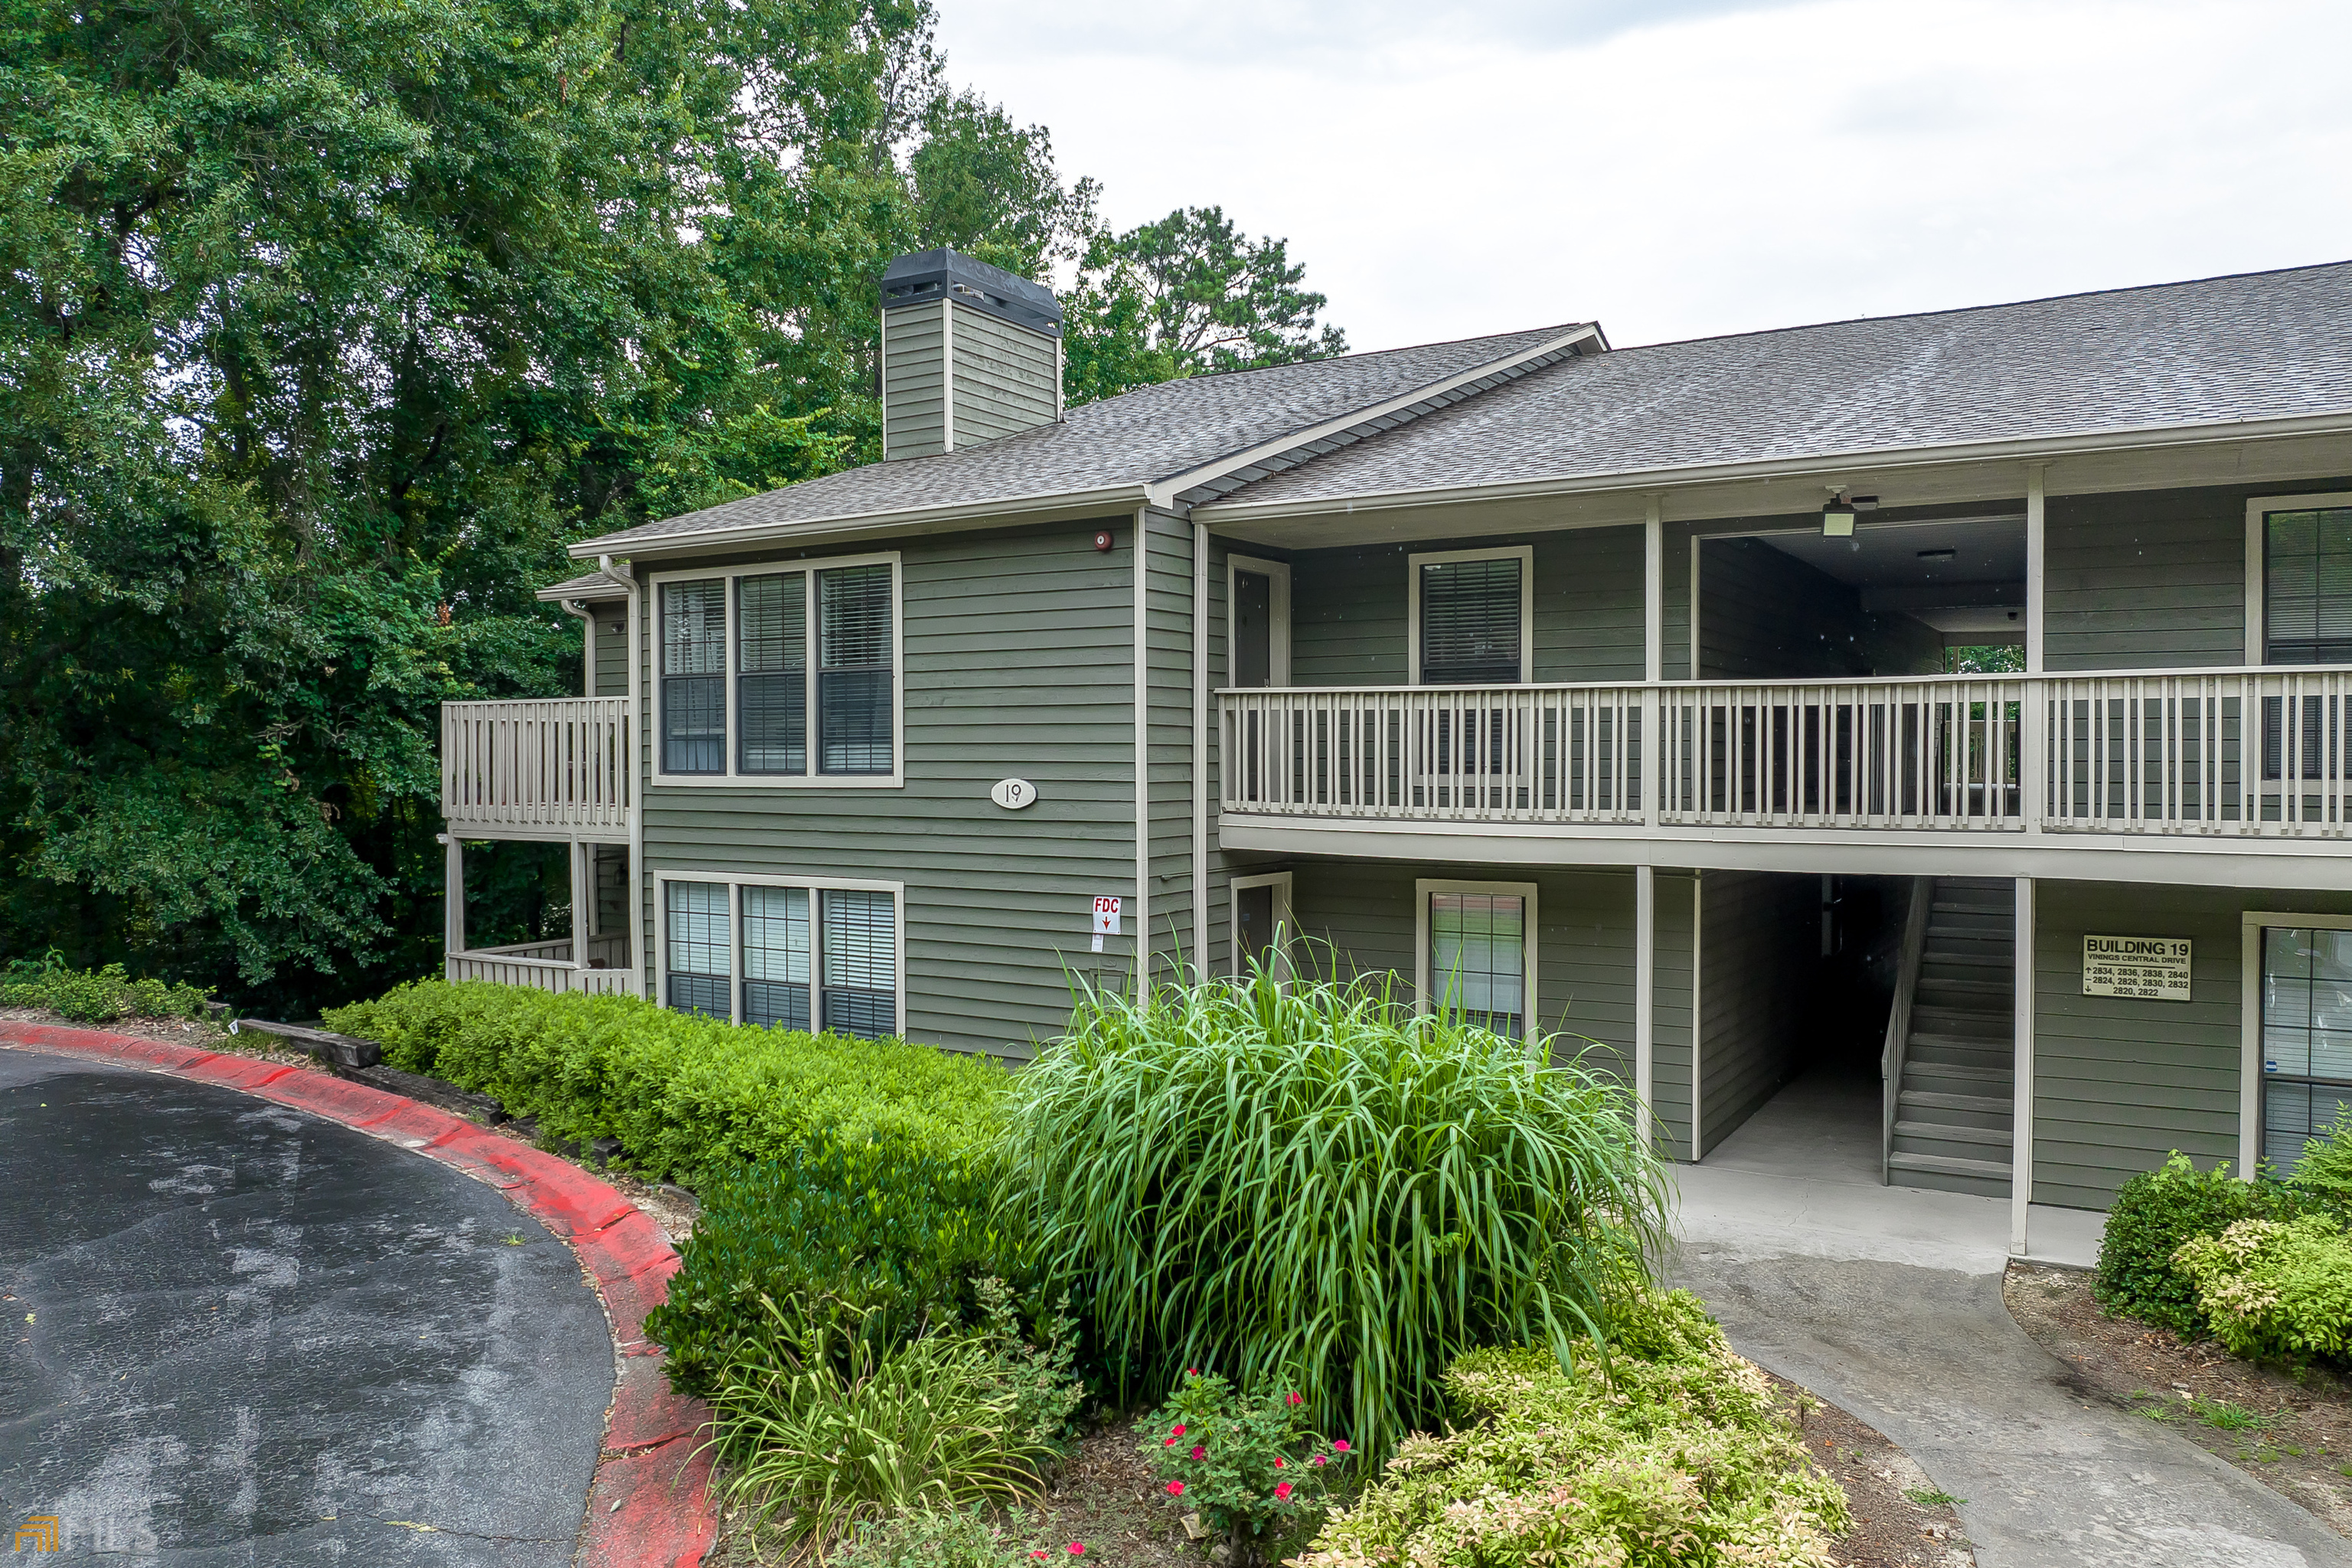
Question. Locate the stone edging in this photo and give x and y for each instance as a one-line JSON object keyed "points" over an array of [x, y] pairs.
{"points": [[648, 1505]]}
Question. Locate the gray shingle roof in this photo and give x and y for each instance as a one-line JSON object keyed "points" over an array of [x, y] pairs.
{"points": [[591, 585], [2256, 346], [1144, 436]]}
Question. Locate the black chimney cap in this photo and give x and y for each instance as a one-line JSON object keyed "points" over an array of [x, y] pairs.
{"points": [[926, 275]]}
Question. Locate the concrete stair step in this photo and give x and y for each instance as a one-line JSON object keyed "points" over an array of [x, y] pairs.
{"points": [[1969, 1023], [1942, 1108], [1948, 1137], [1992, 991], [1959, 1077], [1942, 1173]]}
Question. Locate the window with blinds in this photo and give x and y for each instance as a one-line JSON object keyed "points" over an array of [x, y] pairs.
{"points": [[693, 677], [854, 674], [2306, 1039], [776, 957], [772, 673], [2308, 586], [698, 960], [861, 962], [1470, 622], [1478, 959], [737, 656]]}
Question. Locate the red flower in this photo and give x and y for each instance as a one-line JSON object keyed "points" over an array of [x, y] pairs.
{"points": [[1281, 1492], [1340, 1446], [1277, 1461], [1175, 1489], [1192, 1371], [1318, 1459], [1169, 1443], [1294, 1399], [1198, 1452], [1077, 1549], [1178, 1431], [1037, 1555]]}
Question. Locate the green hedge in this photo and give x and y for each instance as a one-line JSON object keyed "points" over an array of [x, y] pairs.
{"points": [[96, 995], [2153, 1216], [687, 1097]]}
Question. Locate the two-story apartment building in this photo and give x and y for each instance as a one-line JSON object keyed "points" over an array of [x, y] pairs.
{"points": [[1605, 689]]}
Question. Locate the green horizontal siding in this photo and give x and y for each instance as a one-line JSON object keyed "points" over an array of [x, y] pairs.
{"points": [[2150, 579], [612, 649], [1018, 663], [2119, 1083], [1005, 377], [914, 383], [1756, 932]]}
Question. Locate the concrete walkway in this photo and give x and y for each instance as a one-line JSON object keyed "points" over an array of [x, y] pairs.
{"points": [[1888, 1302], [244, 1334]]}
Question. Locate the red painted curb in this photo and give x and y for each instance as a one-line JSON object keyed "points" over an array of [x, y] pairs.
{"points": [[649, 1504]]}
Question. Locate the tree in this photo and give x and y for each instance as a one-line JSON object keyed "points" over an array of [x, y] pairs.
{"points": [[1187, 295]]}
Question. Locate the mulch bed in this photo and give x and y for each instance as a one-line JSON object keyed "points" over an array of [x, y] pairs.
{"points": [[1900, 1520], [2291, 1433]]}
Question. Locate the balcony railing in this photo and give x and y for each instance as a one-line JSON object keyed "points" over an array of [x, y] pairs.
{"points": [[556, 763], [2238, 752], [546, 966]]}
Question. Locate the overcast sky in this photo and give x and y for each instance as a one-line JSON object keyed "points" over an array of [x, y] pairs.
{"points": [[1688, 168]]}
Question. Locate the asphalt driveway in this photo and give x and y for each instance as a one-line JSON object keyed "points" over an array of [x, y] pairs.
{"points": [[239, 1334]]}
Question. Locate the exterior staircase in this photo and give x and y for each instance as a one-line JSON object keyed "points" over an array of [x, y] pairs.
{"points": [[1952, 1040]]}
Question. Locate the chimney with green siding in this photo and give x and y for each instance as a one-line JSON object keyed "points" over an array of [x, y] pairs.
{"points": [[969, 352]]}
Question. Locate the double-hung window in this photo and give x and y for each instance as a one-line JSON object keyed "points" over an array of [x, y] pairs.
{"points": [[2306, 568], [792, 954], [781, 675], [2307, 1039], [1470, 616], [1477, 953]]}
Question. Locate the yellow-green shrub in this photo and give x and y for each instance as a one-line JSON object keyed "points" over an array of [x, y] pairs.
{"points": [[1672, 1453], [685, 1095], [2276, 1289]]}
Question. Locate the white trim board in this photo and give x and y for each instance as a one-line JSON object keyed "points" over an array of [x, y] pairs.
{"points": [[1421, 984], [1278, 639], [1285, 919], [2258, 556], [2251, 925], [808, 568], [735, 882], [1525, 555]]}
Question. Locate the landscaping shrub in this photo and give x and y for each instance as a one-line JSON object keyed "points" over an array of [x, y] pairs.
{"points": [[2325, 1173], [822, 1427], [1306, 1181], [2274, 1289], [1671, 1452], [97, 995], [880, 1237], [685, 1096], [2157, 1212], [934, 1538], [1248, 1464]]}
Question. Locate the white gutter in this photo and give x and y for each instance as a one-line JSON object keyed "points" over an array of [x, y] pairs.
{"points": [[2140, 438]]}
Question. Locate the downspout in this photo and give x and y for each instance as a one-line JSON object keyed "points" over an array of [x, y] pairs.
{"points": [[1142, 753], [1201, 751]]}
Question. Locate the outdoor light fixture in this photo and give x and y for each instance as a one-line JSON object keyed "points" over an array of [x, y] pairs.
{"points": [[1837, 519]]}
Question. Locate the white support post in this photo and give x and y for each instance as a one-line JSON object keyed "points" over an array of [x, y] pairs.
{"points": [[453, 898], [2021, 1175], [1645, 991], [583, 890], [1653, 592], [2035, 578]]}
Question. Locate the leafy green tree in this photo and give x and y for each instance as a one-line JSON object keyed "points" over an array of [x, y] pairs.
{"points": [[1187, 295]]}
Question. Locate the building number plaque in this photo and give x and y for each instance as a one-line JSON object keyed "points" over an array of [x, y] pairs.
{"points": [[2151, 968]]}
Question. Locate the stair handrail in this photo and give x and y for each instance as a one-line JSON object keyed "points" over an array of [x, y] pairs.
{"points": [[1898, 1016]]}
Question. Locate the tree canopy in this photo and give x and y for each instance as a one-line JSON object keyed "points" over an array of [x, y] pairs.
{"points": [[324, 328]]}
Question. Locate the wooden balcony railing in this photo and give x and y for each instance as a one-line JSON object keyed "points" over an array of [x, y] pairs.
{"points": [[556, 763], [546, 966], [2220, 753]]}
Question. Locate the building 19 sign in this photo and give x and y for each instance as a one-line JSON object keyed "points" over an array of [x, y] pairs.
{"points": [[2152, 968]]}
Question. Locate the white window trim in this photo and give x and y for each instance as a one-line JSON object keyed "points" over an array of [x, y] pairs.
{"points": [[1286, 919], [895, 778], [735, 882], [1413, 563], [1421, 976], [1277, 656], [2258, 508], [2250, 1013]]}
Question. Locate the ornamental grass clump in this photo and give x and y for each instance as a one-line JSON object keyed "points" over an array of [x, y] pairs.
{"points": [[1306, 1181], [1672, 1452]]}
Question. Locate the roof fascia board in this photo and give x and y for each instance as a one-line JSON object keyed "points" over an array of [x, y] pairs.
{"points": [[1164, 491], [2143, 438], [1063, 506], [555, 596]]}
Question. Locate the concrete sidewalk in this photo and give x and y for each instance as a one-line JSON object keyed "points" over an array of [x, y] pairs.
{"points": [[1888, 1302]]}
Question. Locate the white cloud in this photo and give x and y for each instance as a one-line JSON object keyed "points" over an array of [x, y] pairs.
{"points": [[1698, 168]]}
